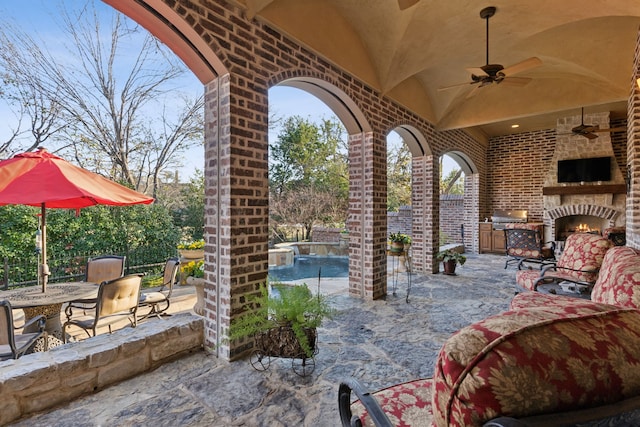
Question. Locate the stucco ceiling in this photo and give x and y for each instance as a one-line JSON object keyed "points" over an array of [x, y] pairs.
{"points": [[408, 52]]}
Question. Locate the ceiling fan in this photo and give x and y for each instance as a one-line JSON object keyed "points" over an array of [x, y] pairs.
{"points": [[496, 73], [589, 131]]}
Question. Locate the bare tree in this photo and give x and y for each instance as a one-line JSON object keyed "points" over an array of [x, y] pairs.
{"points": [[109, 85], [305, 205]]}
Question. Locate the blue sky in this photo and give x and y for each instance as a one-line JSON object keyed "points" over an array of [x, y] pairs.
{"points": [[38, 18]]}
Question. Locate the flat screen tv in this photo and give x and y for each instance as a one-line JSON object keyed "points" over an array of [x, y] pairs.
{"points": [[584, 170]]}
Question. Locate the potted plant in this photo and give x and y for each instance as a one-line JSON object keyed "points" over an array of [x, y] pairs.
{"points": [[450, 259], [283, 324], [398, 242], [191, 250]]}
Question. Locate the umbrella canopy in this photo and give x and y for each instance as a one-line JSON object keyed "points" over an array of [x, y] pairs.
{"points": [[46, 180]]}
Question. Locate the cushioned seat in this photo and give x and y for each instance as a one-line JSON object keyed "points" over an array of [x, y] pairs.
{"points": [[579, 263], [523, 242]]}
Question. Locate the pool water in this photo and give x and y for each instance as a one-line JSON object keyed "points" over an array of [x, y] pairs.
{"points": [[308, 267]]}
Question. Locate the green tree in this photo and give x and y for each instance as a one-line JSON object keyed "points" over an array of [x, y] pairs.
{"points": [[308, 174], [453, 182], [189, 217], [398, 177]]}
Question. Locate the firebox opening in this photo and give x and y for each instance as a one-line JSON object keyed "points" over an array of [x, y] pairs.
{"points": [[568, 225]]}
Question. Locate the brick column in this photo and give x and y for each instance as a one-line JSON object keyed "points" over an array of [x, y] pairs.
{"points": [[633, 155], [471, 213], [367, 221], [425, 200], [236, 205]]}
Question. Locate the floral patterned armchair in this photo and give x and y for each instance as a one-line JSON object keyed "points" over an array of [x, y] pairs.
{"points": [[579, 263]]}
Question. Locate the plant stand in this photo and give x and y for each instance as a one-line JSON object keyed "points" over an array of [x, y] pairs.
{"points": [[282, 342], [400, 259]]}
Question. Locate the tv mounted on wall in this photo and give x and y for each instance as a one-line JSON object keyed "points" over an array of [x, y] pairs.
{"points": [[585, 170]]}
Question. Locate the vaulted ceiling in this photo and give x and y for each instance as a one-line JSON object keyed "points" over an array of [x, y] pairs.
{"points": [[410, 49]]}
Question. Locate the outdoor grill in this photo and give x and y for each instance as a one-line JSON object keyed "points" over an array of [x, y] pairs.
{"points": [[500, 218]]}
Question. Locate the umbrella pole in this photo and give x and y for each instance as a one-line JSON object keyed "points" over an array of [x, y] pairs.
{"points": [[44, 268]]}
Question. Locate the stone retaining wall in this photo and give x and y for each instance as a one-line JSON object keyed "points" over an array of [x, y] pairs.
{"points": [[39, 381]]}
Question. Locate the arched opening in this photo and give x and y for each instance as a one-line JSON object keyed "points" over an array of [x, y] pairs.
{"points": [[459, 205], [309, 189]]}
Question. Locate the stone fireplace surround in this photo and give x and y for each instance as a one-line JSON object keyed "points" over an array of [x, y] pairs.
{"points": [[600, 204]]}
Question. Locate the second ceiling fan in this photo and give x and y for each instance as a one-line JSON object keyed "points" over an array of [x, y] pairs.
{"points": [[589, 131], [496, 73]]}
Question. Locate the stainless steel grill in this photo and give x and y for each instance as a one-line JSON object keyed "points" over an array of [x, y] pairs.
{"points": [[500, 218]]}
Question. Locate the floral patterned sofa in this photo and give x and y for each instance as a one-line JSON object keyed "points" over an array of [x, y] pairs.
{"points": [[548, 361]]}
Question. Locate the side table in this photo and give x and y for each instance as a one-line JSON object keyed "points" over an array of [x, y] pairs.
{"points": [[397, 258]]}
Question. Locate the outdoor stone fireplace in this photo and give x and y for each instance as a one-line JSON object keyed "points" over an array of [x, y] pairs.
{"points": [[587, 206]]}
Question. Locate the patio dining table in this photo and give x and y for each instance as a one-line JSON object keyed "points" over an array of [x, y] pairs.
{"points": [[34, 302]]}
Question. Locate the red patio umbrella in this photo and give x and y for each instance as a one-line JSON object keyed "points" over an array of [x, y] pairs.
{"points": [[46, 180]]}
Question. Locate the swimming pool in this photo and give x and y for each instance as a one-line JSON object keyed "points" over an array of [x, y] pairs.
{"points": [[308, 267]]}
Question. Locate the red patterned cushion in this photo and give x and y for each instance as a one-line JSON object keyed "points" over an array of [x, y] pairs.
{"points": [[583, 251], [407, 404], [619, 279], [526, 279], [532, 361], [567, 306]]}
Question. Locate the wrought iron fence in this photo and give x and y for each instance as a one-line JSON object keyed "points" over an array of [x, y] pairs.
{"points": [[71, 266]]}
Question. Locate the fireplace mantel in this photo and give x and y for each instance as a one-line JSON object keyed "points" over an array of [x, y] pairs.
{"points": [[585, 189]]}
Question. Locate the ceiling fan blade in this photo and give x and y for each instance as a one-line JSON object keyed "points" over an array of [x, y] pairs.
{"points": [[477, 71], [589, 135], [583, 129], [455, 85], [405, 4], [525, 65], [515, 81], [473, 92]]}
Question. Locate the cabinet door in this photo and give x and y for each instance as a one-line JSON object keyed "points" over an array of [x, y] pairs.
{"points": [[485, 237], [498, 244]]}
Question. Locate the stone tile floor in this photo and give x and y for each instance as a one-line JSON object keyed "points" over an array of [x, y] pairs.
{"points": [[379, 342]]}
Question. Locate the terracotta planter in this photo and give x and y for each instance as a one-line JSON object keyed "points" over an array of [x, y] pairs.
{"points": [[191, 253], [198, 283], [449, 267]]}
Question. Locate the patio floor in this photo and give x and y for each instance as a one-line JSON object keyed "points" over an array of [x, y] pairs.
{"points": [[379, 342]]}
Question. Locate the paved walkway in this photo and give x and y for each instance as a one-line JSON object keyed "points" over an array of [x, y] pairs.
{"points": [[378, 342]]}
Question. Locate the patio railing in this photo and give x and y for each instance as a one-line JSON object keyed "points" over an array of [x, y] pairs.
{"points": [[71, 267]]}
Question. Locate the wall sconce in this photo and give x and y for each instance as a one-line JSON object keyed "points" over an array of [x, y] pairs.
{"points": [[638, 82]]}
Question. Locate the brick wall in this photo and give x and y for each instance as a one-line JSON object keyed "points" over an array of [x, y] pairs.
{"points": [[400, 222], [451, 219], [519, 163], [325, 234]]}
